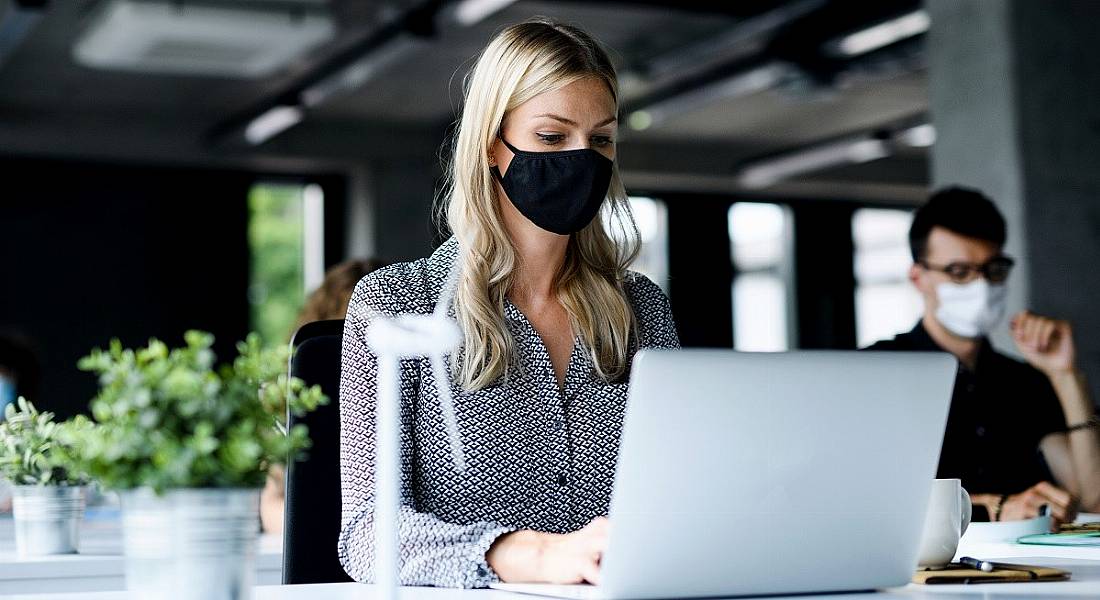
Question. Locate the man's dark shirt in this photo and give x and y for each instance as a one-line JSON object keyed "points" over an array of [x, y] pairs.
{"points": [[999, 413]]}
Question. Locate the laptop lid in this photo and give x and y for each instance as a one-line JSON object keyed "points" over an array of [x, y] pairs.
{"points": [[745, 474]]}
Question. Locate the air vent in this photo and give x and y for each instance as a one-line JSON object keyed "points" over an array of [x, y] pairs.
{"points": [[200, 39]]}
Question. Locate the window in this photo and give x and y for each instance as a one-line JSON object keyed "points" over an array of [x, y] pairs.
{"points": [[760, 240], [651, 216], [886, 303], [286, 243]]}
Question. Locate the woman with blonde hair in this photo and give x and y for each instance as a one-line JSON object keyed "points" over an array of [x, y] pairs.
{"points": [[550, 317]]}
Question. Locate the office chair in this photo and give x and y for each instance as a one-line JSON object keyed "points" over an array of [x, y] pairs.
{"points": [[311, 520]]}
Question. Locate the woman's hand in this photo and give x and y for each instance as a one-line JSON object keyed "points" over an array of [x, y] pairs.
{"points": [[1025, 505], [536, 557]]}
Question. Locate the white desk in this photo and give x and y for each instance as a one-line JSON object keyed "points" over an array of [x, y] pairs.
{"points": [[99, 566], [1085, 584], [98, 574], [978, 549]]}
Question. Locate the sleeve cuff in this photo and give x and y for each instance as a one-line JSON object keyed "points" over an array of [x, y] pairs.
{"points": [[482, 573]]}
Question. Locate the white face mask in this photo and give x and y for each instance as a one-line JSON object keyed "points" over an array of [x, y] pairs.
{"points": [[971, 310]]}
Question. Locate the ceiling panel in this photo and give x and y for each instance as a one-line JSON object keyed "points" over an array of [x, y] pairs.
{"points": [[42, 74], [426, 86], [773, 120]]}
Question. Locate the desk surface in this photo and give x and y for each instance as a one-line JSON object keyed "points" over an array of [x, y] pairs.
{"points": [[1084, 584], [100, 567], [100, 564]]}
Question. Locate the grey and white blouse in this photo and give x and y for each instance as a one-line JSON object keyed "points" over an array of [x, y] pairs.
{"points": [[538, 456]]}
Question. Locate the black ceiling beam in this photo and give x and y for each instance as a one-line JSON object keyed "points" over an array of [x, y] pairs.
{"points": [[732, 8], [800, 44], [803, 42], [418, 21]]}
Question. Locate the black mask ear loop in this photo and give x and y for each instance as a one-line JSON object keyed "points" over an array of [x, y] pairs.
{"points": [[494, 170]]}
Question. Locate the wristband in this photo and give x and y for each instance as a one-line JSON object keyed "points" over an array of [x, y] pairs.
{"points": [[1092, 421]]}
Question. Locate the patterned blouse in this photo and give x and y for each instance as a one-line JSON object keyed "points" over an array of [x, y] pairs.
{"points": [[538, 456]]}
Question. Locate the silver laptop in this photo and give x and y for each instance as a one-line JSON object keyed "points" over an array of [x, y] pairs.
{"points": [[750, 474]]}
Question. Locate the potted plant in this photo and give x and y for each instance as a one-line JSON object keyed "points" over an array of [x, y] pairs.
{"points": [[47, 496], [188, 445]]}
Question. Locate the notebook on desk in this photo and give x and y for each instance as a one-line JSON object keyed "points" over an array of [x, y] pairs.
{"points": [[750, 474], [1001, 573]]}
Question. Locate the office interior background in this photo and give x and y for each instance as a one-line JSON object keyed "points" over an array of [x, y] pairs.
{"points": [[182, 164]]}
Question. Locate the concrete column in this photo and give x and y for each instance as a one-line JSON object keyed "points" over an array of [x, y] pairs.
{"points": [[404, 193], [389, 210], [1014, 90], [359, 231]]}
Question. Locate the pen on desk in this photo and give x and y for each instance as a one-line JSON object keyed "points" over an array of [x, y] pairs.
{"points": [[982, 565]]}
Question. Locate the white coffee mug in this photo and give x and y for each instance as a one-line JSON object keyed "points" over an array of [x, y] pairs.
{"points": [[946, 521]]}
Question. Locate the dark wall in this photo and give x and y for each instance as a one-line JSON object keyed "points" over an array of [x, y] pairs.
{"points": [[91, 252], [700, 271], [825, 283], [1059, 150], [405, 190]]}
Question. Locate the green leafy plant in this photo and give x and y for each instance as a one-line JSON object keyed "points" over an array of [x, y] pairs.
{"points": [[32, 450], [170, 419]]}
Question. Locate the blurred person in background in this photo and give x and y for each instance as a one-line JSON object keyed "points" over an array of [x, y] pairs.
{"points": [[19, 376], [328, 301], [1020, 435], [19, 370]]}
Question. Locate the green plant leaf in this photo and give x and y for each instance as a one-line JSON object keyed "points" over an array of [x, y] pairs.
{"points": [[168, 418]]}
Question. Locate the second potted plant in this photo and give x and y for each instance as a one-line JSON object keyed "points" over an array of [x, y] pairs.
{"points": [[188, 446], [47, 495]]}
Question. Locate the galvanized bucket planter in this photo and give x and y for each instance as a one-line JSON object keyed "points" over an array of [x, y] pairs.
{"points": [[47, 518], [190, 544]]}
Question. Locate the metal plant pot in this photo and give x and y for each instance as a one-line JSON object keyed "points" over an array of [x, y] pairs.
{"points": [[47, 518], [190, 544]]}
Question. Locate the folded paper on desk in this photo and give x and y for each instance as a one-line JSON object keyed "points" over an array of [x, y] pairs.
{"points": [[1065, 538], [1001, 573]]}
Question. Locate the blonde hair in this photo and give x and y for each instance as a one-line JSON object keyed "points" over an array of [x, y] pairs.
{"points": [[521, 62]]}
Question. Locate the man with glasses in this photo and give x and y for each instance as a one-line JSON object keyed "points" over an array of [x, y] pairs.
{"points": [[1019, 435]]}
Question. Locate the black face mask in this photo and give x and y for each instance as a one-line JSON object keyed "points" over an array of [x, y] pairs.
{"points": [[558, 191]]}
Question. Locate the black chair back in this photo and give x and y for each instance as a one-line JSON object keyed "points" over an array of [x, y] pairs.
{"points": [[311, 521]]}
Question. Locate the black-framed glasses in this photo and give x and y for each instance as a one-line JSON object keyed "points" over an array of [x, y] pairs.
{"points": [[996, 269]]}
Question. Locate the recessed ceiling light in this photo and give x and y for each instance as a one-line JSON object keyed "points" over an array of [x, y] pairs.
{"points": [[201, 39]]}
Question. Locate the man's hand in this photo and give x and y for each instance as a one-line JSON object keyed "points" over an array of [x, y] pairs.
{"points": [[1025, 505], [1047, 344], [536, 557]]}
